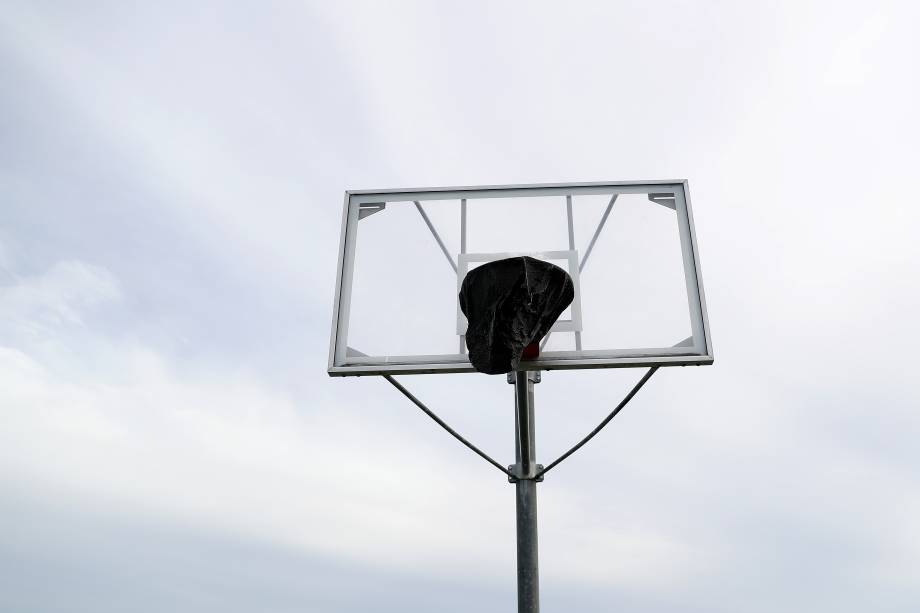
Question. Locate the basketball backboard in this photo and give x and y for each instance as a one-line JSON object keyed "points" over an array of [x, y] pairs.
{"points": [[628, 246]]}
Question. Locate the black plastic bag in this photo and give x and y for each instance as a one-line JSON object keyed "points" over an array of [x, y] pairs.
{"points": [[509, 305]]}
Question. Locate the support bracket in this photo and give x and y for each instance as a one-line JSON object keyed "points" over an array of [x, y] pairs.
{"points": [[367, 209], [532, 375], [517, 475]]}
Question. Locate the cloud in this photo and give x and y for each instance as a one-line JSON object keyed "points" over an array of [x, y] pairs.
{"points": [[57, 298], [225, 452], [217, 449]]}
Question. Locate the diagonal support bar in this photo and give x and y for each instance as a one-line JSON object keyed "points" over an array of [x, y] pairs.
{"points": [[437, 236], [444, 425], [613, 413], [597, 232]]}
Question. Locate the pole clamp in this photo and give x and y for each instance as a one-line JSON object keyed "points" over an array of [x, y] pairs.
{"points": [[532, 375], [518, 475]]}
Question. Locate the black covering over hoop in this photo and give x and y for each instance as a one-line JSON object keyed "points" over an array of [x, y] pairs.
{"points": [[509, 305]]}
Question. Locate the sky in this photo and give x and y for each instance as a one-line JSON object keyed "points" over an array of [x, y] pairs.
{"points": [[171, 179]]}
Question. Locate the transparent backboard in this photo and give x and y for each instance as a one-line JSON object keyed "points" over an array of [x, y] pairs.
{"points": [[629, 248]]}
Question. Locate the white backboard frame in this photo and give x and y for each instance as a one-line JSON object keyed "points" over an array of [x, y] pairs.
{"points": [[696, 350]]}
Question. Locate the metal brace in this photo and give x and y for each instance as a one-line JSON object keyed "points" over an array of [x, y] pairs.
{"points": [[532, 375], [366, 209], [516, 471]]}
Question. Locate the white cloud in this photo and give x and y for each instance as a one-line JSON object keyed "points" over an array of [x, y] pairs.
{"points": [[224, 451], [56, 298], [222, 164], [855, 59]]}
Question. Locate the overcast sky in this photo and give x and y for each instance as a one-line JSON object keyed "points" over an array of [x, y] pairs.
{"points": [[171, 182]]}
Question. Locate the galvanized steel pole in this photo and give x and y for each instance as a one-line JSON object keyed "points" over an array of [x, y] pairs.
{"points": [[526, 489]]}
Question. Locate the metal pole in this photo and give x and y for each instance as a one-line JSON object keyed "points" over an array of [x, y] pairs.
{"points": [[526, 488]]}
